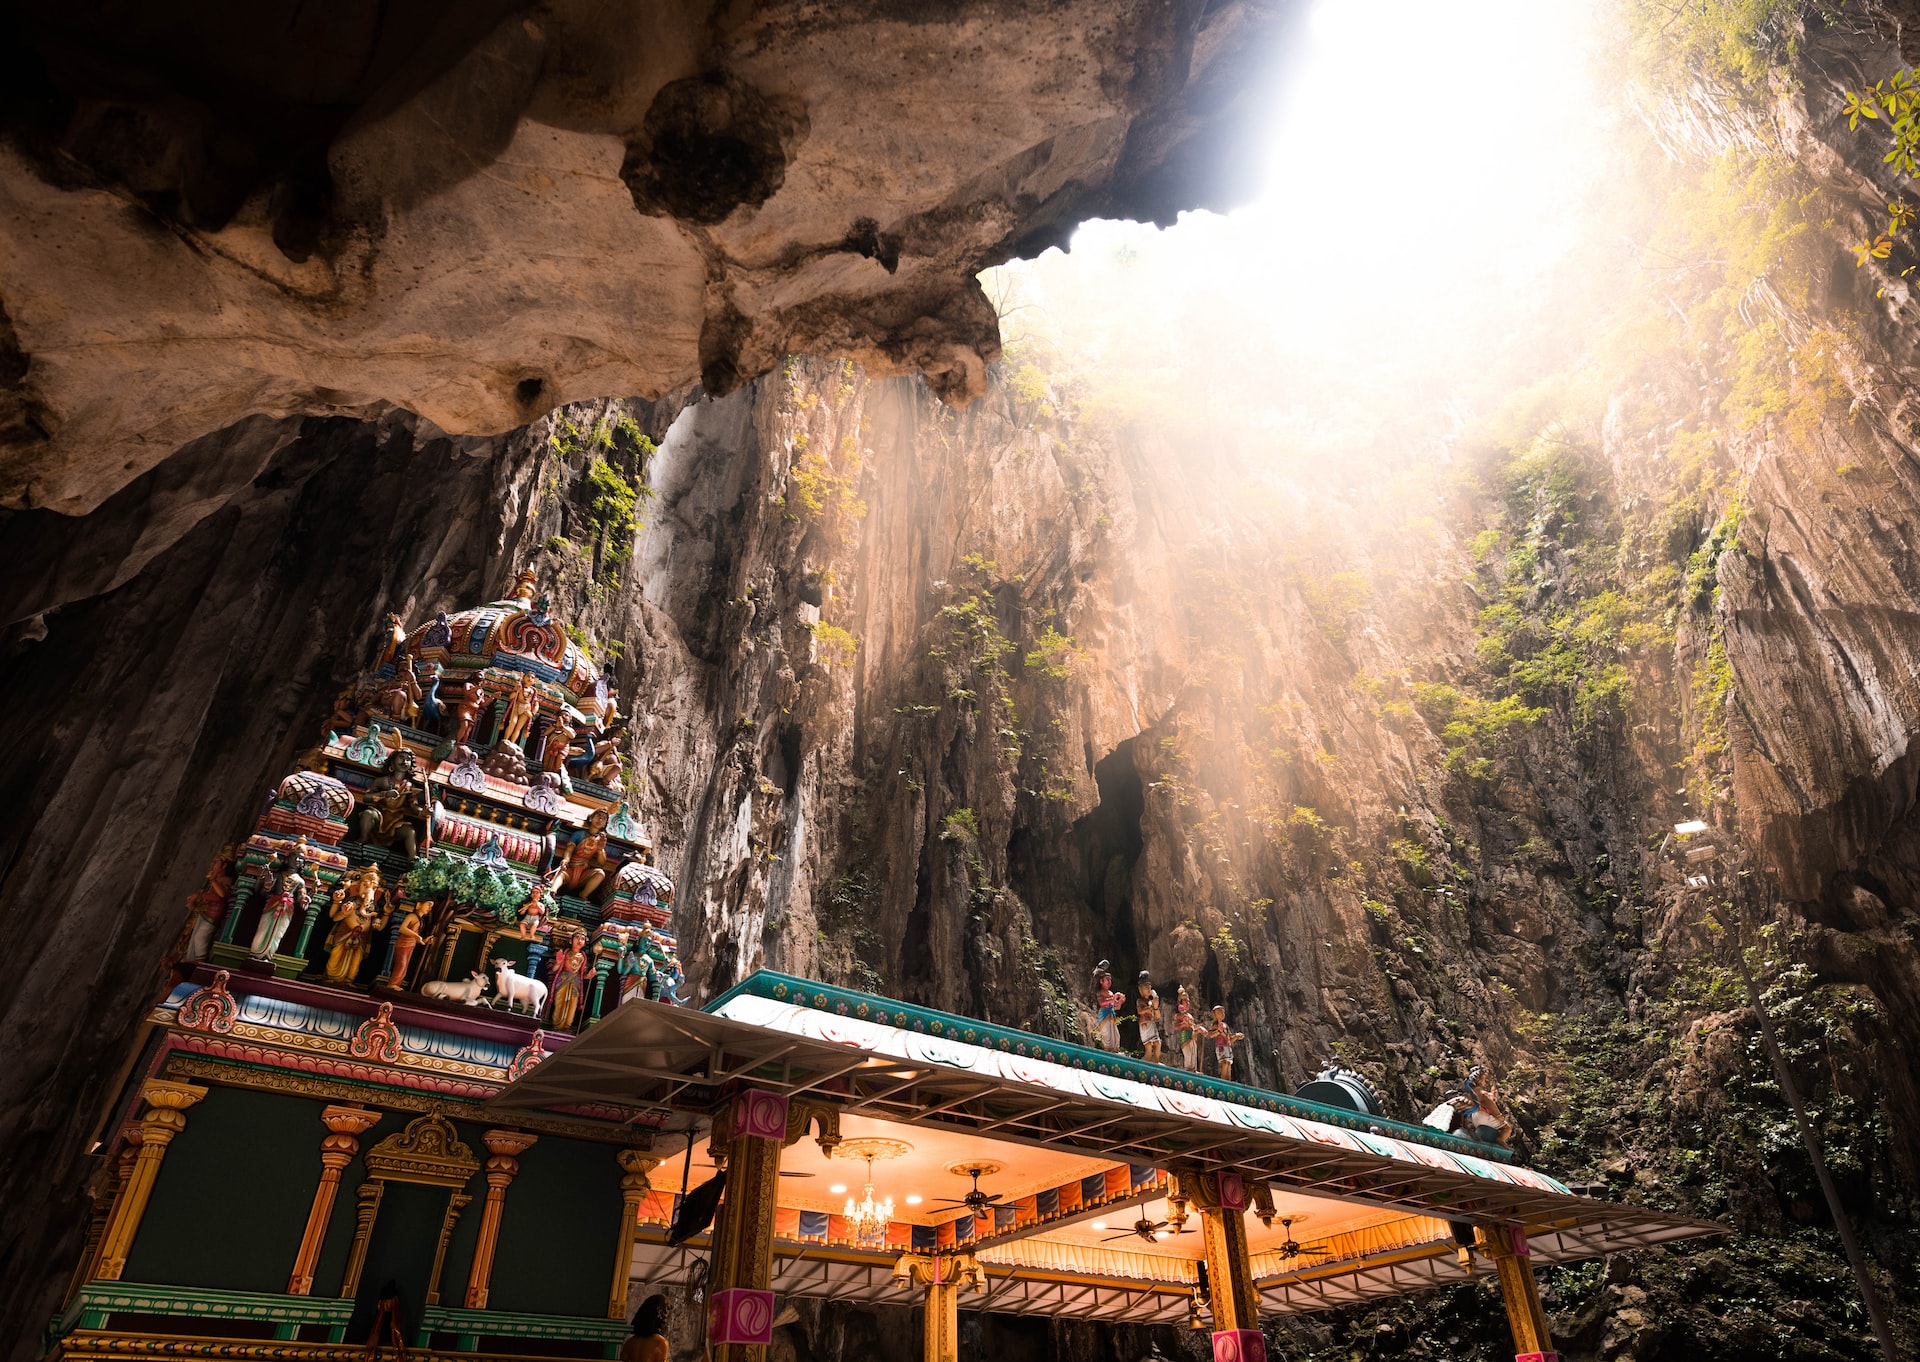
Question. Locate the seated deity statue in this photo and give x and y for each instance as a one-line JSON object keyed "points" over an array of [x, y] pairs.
{"points": [[393, 810]]}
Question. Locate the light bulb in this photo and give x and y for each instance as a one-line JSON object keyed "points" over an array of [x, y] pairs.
{"points": [[837, 1188], [1099, 1224], [914, 1200]]}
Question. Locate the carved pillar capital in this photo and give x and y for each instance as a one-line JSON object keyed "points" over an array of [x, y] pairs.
{"points": [[167, 1105]]}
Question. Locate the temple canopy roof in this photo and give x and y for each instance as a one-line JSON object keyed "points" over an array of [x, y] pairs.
{"points": [[1082, 1141]]}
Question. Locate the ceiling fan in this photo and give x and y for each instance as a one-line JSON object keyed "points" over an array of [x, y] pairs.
{"points": [[976, 1201], [1149, 1230], [1293, 1248]]}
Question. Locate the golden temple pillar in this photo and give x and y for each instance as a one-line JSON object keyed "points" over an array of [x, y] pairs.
{"points": [[166, 1117], [635, 1164], [345, 1126], [1222, 1199], [504, 1148], [1507, 1246], [740, 1278], [944, 1275]]}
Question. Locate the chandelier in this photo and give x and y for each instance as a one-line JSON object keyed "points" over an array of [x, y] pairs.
{"points": [[867, 1218]]}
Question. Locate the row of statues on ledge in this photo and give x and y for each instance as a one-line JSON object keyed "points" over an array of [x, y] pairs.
{"points": [[1184, 1040], [1189, 1034]]}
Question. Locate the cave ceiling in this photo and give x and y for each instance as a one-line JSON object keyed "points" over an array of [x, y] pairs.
{"points": [[477, 212]]}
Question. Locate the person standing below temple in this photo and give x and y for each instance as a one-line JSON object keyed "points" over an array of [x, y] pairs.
{"points": [[1107, 1003], [1147, 1005], [648, 1342]]}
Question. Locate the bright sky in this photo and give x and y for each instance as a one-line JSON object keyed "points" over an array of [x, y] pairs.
{"points": [[1432, 165]]}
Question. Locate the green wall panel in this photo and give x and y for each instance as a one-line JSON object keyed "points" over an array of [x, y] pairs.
{"points": [[555, 1255], [233, 1194]]}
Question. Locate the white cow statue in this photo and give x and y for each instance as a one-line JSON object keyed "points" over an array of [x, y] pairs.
{"points": [[514, 989], [468, 990]]}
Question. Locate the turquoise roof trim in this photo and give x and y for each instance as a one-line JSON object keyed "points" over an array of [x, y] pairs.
{"points": [[786, 988]]}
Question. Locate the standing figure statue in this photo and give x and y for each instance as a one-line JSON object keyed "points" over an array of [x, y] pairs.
{"points": [[555, 741], [407, 937], [1147, 1005], [1223, 1042], [1186, 1032], [636, 970], [570, 968], [207, 906], [286, 890], [359, 910], [523, 702], [582, 865], [1107, 1005], [394, 810], [466, 714]]}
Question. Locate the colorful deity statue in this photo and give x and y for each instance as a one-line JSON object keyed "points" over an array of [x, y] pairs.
{"points": [[359, 910], [398, 697], [393, 810], [555, 742], [668, 981], [346, 711], [1146, 1007], [636, 970], [396, 643], [1223, 1040], [207, 906], [570, 966], [286, 894], [582, 865], [466, 715], [523, 703], [1186, 1031], [407, 937], [1483, 1116], [1107, 1005]]}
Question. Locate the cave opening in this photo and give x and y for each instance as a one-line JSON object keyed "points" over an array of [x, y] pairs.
{"points": [[1109, 840]]}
